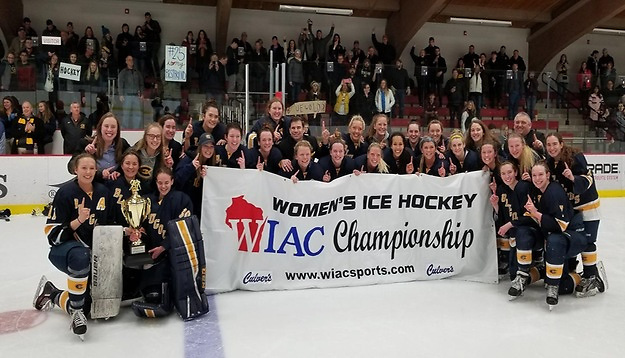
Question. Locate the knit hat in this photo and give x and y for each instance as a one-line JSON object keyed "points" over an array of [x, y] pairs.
{"points": [[105, 30]]}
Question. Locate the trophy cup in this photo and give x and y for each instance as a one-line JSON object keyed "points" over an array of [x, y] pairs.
{"points": [[136, 209]]}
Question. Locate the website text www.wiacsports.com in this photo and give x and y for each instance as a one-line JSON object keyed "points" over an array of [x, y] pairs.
{"points": [[358, 273]]}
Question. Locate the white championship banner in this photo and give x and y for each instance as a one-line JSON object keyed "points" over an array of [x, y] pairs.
{"points": [[264, 232]]}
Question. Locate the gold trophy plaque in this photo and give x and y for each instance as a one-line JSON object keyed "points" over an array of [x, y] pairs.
{"points": [[136, 209]]}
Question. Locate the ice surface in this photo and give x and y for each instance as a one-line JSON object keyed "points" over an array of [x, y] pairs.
{"points": [[419, 319]]}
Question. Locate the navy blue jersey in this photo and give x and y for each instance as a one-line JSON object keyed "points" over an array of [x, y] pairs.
{"points": [[557, 211], [174, 205], [312, 172], [582, 192], [355, 150], [398, 165], [470, 163], [271, 163], [512, 204], [360, 163], [287, 147], [422, 168], [219, 132], [346, 167], [187, 180], [225, 159], [65, 209], [176, 152]]}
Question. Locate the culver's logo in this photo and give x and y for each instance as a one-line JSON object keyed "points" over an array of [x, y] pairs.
{"points": [[260, 277], [438, 270], [248, 222]]}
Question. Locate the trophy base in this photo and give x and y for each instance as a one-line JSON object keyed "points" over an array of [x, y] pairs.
{"points": [[138, 260]]}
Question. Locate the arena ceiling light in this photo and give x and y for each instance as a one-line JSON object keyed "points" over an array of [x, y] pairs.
{"points": [[601, 30], [469, 21], [317, 10]]}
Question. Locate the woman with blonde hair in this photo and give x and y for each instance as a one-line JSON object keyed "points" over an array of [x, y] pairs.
{"points": [[372, 162], [522, 155], [151, 153], [461, 159], [378, 132], [354, 139], [429, 162]]}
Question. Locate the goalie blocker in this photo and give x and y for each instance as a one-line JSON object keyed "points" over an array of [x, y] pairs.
{"points": [[188, 264]]}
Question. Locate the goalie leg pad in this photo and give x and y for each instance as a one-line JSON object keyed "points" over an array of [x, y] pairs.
{"points": [[157, 302], [188, 265]]}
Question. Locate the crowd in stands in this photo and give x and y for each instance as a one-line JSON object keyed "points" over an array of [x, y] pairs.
{"points": [[363, 81]]}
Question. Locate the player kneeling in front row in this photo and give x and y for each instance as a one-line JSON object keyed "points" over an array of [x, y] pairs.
{"points": [[77, 208], [562, 229]]}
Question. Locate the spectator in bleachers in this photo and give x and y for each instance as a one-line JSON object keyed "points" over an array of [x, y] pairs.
{"points": [[89, 40], [594, 67], [468, 114], [213, 80], [67, 84], [28, 131], [456, 95], [420, 64], [495, 68], [611, 96], [364, 101], [232, 67], [140, 50], [430, 49], [519, 61], [74, 127], [130, 89], [102, 107], [436, 71], [562, 81], [460, 67], [430, 109], [8, 73], [344, 92], [204, 50], [366, 73], [607, 75], [320, 43], [51, 80], [386, 51], [335, 49], [152, 31], [619, 129], [244, 52], [107, 39], [289, 50], [50, 30], [475, 89], [123, 44], [384, 99], [277, 49], [258, 67], [72, 38], [603, 62], [584, 83], [400, 82], [18, 43], [471, 58], [30, 32], [189, 43], [295, 75], [92, 80], [501, 55], [11, 110], [107, 64], [49, 122], [358, 54], [514, 90], [372, 56], [26, 78], [31, 51], [595, 105], [531, 94]]}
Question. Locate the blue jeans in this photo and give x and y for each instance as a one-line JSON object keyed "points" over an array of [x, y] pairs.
{"points": [[132, 112], [400, 96]]}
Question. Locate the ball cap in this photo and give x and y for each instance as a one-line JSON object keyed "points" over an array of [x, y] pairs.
{"points": [[206, 139]]}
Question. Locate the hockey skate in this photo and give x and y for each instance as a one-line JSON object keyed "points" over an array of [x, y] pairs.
{"points": [[552, 296], [519, 283], [594, 284], [78, 323], [43, 296]]}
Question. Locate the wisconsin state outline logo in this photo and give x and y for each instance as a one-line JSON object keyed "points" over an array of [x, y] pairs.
{"points": [[247, 221]]}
